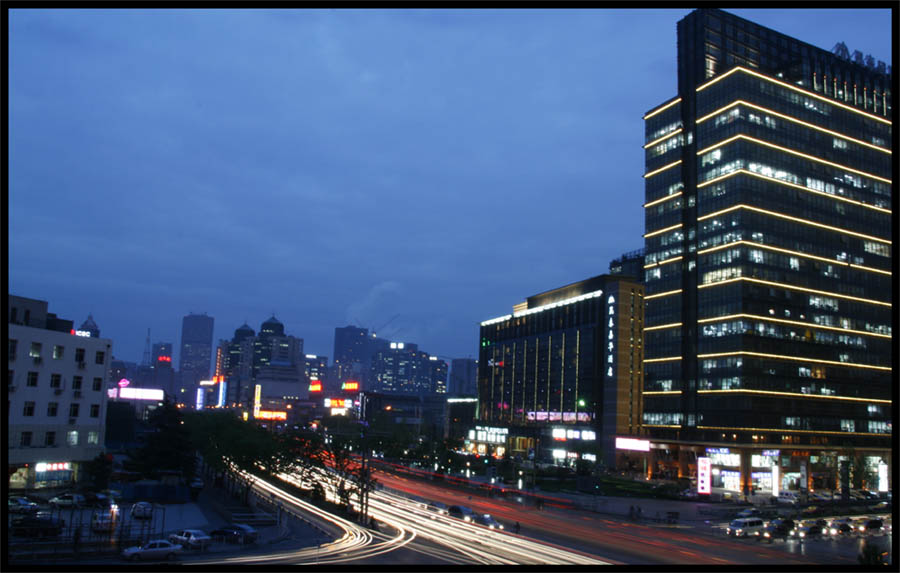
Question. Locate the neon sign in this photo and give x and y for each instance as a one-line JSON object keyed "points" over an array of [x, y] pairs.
{"points": [[54, 467], [350, 385], [164, 359], [141, 394], [123, 382], [703, 476], [632, 444], [271, 415], [315, 386]]}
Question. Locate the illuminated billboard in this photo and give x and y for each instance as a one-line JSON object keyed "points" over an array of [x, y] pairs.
{"points": [[271, 415], [632, 444], [338, 402], [257, 395], [350, 385], [703, 476], [142, 394], [164, 359], [315, 386]]}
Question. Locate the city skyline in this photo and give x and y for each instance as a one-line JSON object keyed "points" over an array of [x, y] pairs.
{"points": [[466, 152]]}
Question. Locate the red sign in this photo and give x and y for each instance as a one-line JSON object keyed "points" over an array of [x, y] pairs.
{"points": [[164, 359], [350, 385], [315, 387], [271, 415]]}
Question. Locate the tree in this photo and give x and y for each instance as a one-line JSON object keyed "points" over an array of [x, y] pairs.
{"points": [[99, 470], [168, 446]]}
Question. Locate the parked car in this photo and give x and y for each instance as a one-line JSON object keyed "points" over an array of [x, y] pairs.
{"points": [[749, 512], [776, 529], [743, 527], [20, 505], [142, 510], [33, 526], [235, 533], [488, 521], [155, 549], [191, 538], [461, 512], [788, 497], [103, 521], [68, 500]]}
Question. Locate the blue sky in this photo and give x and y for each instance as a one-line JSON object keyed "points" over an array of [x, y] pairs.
{"points": [[336, 166]]}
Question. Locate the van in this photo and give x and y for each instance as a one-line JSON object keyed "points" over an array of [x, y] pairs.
{"points": [[745, 526], [788, 497]]}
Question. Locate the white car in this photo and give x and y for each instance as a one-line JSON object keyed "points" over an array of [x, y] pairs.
{"points": [[142, 510], [155, 549], [192, 538], [68, 500]]}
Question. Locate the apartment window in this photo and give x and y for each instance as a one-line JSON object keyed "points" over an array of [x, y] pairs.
{"points": [[28, 410], [32, 379], [13, 345], [101, 356], [98, 382], [50, 439], [52, 407], [55, 380], [93, 438], [79, 355], [95, 410], [76, 382], [73, 410], [35, 350], [72, 438], [58, 351], [25, 439]]}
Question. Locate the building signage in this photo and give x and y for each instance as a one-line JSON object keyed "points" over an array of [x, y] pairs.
{"points": [[338, 402], [201, 394], [882, 478], [315, 386], [633, 444], [141, 394], [350, 385], [610, 343], [771, 453], [53, 467], [222, 389], [164, 359], [489, 434], [123, 382], [776, 481], [83, 333], [703, 476], [271, 415], [207, 383], [718, 451], [257, 395]]}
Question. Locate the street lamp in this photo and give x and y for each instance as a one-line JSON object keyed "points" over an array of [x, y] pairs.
{"points": [[520, 479], [468, 471]]}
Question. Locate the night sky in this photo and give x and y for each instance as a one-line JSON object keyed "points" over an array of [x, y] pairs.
{"points": [[336, 166]]}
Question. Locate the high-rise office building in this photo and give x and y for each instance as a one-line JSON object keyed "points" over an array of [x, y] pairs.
{"points": [[163, 372], [463, 377], [768, 258], [562, 370], [352, 354], [196, 354]]}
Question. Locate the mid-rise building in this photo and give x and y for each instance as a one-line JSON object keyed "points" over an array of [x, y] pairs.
{"points": [[463, 377], [401, 368], [563, 369], [768, 259], [56, 395]]}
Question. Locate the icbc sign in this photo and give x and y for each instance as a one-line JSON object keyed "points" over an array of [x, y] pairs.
{"points": [[703, 475]]}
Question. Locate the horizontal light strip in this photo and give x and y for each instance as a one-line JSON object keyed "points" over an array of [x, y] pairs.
{"points": [[661, 169], [795, 120], [672, 228], [794, 186], [795, 395], [564, 302], [663, 138], [790, 218], [792, 152], [662, 109], [792, 322], [660, 294], [790, 252], [662, 326], [661, 393], [792, 287], [666, 198], [794, 358], [795, 88], [661, 425], [789, 430], [668, 359], [495, 320], [665, 262]]}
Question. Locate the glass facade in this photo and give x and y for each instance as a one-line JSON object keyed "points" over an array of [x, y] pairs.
{"points": [[768, 243]]}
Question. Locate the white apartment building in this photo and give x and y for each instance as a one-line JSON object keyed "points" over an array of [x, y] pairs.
{"points": [[56, 400]]}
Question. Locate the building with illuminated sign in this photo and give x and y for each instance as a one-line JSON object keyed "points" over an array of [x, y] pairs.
{"points": [[570, 359], [56, 396], [768, 252], [196, 355]]}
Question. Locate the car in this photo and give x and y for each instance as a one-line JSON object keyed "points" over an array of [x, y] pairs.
{"points": [[881, 506], [836, 529], [34, 526], [438, 508], [153, 549], [486, 520], [788, 497], [20, 505], [689, 494], [871, 526], [142, 510], [461, 512], [68, 500], [191, 538], [776, 529], [749, 512], [744, 527], [808, 530], [235, 533], [809, 510]]}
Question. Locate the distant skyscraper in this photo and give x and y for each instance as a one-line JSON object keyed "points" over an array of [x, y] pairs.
{"points": [[401, 368], [352, 354], [196, 354], [163, 373], [463, 377]]}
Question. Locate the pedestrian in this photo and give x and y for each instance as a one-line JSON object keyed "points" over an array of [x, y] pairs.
{"points": [[631, 512], [517, 527], [640, 513]]}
